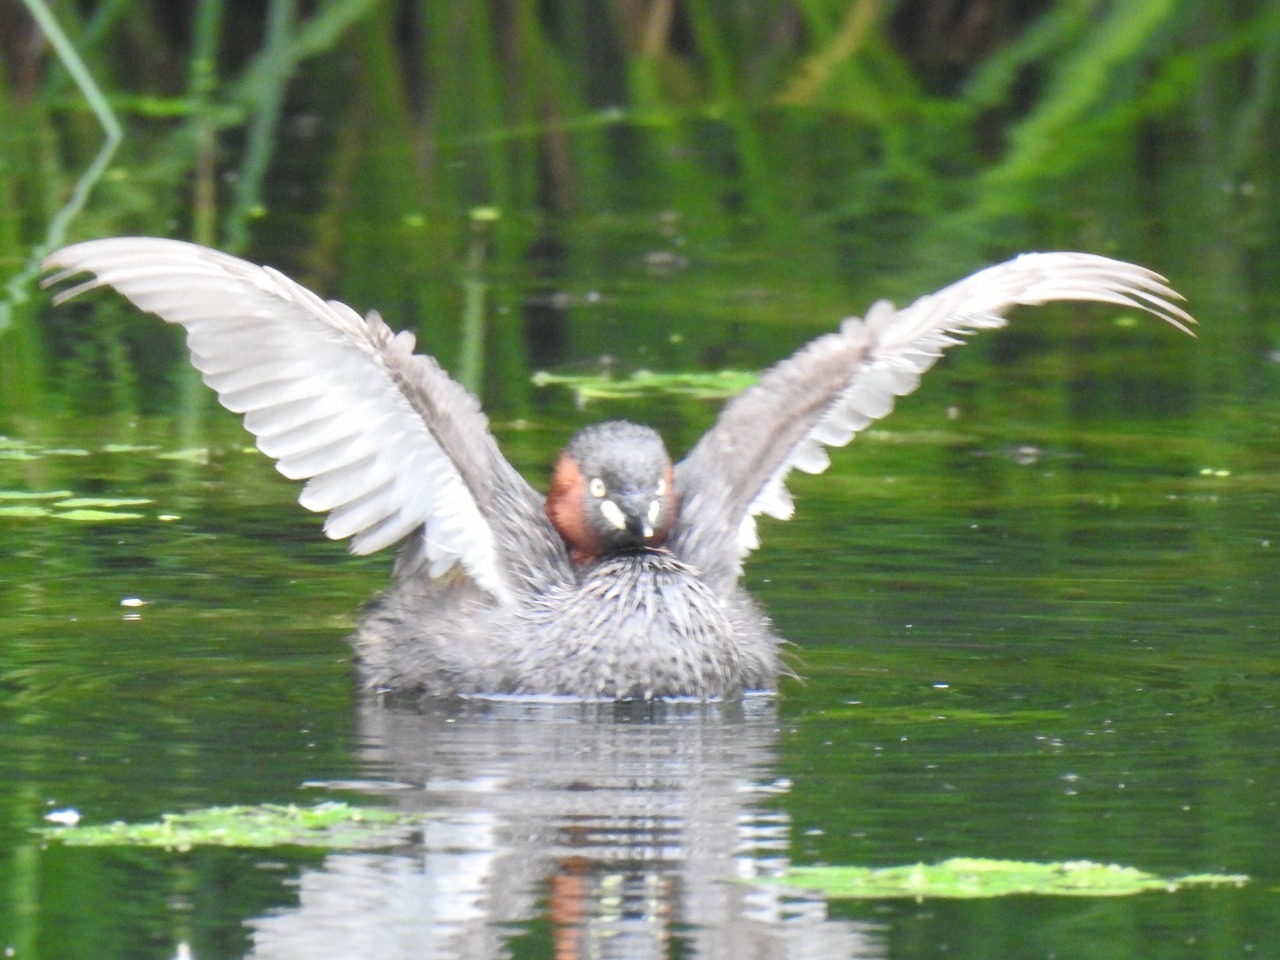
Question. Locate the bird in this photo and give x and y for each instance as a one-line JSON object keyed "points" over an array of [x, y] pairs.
{"points": [[625, 581]]}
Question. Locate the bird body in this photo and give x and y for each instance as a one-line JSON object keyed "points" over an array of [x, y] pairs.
{"points": [[625, 581], [637, 625]]}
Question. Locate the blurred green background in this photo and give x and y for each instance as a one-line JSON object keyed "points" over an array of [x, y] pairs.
{"points": [[531, 162]]}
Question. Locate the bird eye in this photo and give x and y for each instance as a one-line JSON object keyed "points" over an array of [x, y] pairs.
{"points": [[662, 487], [596, 486]]}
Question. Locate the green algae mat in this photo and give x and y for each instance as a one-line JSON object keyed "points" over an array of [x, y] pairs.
{"points": [[331, 825], [343, 826], [972, 877]]}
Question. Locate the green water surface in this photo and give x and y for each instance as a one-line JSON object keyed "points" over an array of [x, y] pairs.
{"points": [[1016, 638], [1033, 613]]}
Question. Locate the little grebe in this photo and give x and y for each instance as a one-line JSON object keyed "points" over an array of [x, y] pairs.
{"points": [[625, 582]]}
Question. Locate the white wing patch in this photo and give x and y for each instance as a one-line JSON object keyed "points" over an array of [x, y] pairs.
{"points": [[901, 345], [317, 385]]}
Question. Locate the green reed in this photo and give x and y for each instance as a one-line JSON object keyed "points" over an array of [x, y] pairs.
{"points": [[338, 139]]}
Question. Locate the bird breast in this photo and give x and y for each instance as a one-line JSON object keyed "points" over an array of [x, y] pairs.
{"points": [[638, 625]]}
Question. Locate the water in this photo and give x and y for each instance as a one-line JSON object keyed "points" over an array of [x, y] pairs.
{"points": [[1026, 627], [1032, 615]]}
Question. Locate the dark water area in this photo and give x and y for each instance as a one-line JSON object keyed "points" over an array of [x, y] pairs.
{"points": [[1032, 614]]}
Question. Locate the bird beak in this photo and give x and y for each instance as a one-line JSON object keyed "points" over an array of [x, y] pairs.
{"points": [[640, 515]]}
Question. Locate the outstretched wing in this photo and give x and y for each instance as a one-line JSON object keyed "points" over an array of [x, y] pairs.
{"points": [[387, 440], [838, 384]]}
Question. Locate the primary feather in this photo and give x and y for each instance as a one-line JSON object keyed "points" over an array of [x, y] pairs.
{"points": [[839, 383], [387, 442]]}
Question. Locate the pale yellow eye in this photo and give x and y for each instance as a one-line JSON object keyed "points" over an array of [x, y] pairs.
{"points": [[596, 486], [662, 487]]}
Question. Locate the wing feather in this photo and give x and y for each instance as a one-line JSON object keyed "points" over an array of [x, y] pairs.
{"points": [[387, 441], [827, 392]]}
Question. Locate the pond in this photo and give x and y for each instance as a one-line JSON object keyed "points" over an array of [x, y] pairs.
{"points": [[1032, 614], [1033, 619]]}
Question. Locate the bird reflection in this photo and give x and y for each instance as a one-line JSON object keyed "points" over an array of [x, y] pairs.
{"points": [[630, 830]]}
